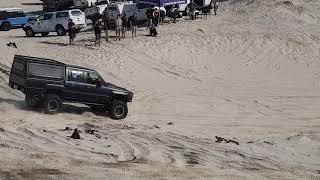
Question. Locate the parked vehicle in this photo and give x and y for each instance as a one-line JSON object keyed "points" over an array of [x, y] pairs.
{"points": [[54, 22], [95, 12], [84, 3], [48, 83], [129, 8], [12, 17], [200, 3]]}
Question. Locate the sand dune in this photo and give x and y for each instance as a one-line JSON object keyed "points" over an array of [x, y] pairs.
{"points": [[249, 74]]}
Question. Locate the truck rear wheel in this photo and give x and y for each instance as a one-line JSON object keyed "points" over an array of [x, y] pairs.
{"points": [[60, 30], [53, 104], [118, 110], [6, 26], [32, 101]]}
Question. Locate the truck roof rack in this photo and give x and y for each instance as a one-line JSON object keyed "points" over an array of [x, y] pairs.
{"points": [[51, 61]]}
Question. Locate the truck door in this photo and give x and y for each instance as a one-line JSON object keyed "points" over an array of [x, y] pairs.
{"points": [[75, 86], [48, 24], [38, 25], [96, 94]]}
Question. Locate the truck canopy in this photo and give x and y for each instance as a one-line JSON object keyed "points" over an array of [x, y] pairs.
{"points": [[38, 67]]}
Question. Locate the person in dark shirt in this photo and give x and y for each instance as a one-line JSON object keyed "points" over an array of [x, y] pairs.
{"points": [[192, 10], [72, 31], [97, 32], [162, 16], [124, 25], [133, 24], [149, 14], [215, 7], [106, 23]]}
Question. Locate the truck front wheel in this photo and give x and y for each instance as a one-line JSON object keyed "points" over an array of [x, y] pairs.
{"points": [[29, 32], [53, 104], [32, 101], [118, 110]]}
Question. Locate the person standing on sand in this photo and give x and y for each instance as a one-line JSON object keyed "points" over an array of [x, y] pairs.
{"points": [[133, 24], [215, 7], [97, 32], [124, 25], [149, 17], [192, 9], [106, 23], [118, 27], [72, 31]]}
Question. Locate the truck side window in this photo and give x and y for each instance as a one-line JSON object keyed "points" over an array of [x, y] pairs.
{"points": [[62, 14], [41, 18], [18, 66], [76, 13], [48, 16], [12, 14], [92, 78], [76, 76], [21, 14]]}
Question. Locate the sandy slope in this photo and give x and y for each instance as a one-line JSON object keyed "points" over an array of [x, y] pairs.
{"points": [[250, 74]]}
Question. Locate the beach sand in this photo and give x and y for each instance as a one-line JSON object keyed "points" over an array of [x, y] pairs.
{"points": [[250, 74]]}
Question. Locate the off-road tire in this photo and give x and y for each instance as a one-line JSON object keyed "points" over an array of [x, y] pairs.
{"points": [[32, 102], [118, 110], [52, 104], [29, 32], [44, 34], [6, 26], [60, 30]]}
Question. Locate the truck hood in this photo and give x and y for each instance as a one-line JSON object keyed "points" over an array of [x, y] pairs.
{"points": [[116, 89]]}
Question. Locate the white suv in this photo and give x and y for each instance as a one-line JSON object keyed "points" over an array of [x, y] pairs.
{"points": [[54, 22]]}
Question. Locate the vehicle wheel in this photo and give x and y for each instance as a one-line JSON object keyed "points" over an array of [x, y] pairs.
{"points": [[6, 26], [29, 32], [118, 110], [44, 34], [53, 104], [60, 30], [31, 101]]}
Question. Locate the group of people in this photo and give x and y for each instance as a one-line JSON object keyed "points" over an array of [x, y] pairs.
{"points": [[123, 23]]}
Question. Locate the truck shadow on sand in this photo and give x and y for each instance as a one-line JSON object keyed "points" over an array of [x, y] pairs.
{"points": [[67, 108]]}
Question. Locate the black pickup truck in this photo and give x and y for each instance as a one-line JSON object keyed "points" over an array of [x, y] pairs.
{"points": [[49, 83]]}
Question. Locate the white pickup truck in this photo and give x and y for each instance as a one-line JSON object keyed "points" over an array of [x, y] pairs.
{"points": [[54, 22]]}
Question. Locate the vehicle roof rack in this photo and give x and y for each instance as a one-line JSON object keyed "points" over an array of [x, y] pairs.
{"points": [[40, 59]]}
